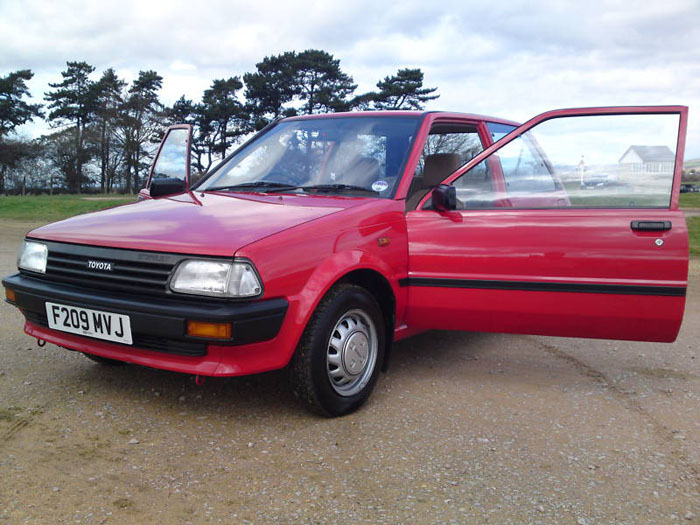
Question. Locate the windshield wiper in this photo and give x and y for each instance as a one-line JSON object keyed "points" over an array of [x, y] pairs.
{"points": [[337, 187], [263, 185]]}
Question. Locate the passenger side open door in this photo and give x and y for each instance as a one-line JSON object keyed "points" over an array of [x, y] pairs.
{"points": [[170, 171], [567, 226]]}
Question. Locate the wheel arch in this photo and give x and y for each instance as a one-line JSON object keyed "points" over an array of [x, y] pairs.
{"points": [[353, 267], [380, 288]]}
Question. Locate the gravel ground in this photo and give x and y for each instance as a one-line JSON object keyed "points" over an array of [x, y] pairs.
{"points": [[465, 428]]}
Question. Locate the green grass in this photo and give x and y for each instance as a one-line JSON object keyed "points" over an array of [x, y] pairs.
{"points": [[690, 200], [694, 235], [56, 207]]}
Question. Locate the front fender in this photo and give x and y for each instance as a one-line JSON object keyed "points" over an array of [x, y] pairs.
{"points": [[333, 269]]}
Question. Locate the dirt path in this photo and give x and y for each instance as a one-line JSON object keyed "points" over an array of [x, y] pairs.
{"points": [[465, 428]]}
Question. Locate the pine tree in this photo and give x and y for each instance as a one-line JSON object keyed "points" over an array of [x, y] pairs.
{"points": [[72, 103], [223, 114], [14, 112], [271, 87], [140, 124], [108, 102], [401, 91], [320, 82]]}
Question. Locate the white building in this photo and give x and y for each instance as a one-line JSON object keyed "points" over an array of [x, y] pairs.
{"points": [[648, 159]]}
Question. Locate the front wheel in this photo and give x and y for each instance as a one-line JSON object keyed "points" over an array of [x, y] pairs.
{"points": [[337, 362]]}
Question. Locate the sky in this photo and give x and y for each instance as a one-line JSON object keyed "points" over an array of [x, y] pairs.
{"points": [[511, 59]]}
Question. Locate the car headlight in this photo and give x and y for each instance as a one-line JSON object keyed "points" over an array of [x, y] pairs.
{"points": [[216, 278], [33, 256]]}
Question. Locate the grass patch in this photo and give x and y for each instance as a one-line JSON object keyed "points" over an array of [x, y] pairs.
{"points": [[56, 207], [689, 200], [694, 235]]}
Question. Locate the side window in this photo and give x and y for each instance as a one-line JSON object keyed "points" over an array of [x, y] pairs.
{"points": [[498, 131], [525, 170], [586, 161], [172, 159], [448, 147]]}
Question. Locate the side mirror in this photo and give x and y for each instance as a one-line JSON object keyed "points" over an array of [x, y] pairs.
{"points": [[444, 198], [166, 186]]}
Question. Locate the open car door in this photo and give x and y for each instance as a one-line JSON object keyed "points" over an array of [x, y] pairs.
{"points": [[567, 226], [170, 171]]}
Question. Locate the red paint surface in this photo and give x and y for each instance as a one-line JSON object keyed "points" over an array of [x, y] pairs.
{"points": [[555, 245], [213, 224]]}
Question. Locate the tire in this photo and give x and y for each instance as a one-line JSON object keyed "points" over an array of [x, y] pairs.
{"points": [[104, 360], [337, 362]]}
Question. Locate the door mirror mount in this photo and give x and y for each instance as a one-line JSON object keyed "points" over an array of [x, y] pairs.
{"points": [[444, 198]]}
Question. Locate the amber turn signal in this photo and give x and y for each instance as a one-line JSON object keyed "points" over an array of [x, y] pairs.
{"points": [[210, 330], [10, 295]]}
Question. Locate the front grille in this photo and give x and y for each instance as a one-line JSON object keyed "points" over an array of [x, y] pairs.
{"points": [[131, 271], [147, 342]]}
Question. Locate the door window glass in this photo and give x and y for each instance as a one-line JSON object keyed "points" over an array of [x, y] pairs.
{"points": [[447, 148], [172, 159], [599, 161], [498, 131]]}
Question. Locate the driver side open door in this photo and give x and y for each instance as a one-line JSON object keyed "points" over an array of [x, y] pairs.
{"points": [[170, 172]]}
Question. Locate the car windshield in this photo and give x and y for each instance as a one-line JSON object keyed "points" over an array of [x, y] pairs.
{"points": [[361, 155]]}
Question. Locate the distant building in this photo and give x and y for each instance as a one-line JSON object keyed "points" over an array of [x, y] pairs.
{"points": [[648, 159]]}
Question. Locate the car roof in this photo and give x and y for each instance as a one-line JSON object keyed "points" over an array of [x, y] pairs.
{"points": [[403, 113]]}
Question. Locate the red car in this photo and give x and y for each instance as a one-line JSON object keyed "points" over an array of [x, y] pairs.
{"points": [[325, 238]]}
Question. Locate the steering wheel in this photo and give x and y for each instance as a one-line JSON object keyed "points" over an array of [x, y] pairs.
{"points": [[283, 177]]}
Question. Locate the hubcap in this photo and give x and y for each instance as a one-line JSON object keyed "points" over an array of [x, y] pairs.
{"points": [[352, 353]]}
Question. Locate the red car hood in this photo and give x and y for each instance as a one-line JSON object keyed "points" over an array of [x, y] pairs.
{"points": [[212, 224]]}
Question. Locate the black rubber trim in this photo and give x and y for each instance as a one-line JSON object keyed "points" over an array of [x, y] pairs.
{"points": [[253, 321], [651, 226], [529, 286]]}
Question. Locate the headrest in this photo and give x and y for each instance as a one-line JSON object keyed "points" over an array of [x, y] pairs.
{"points": [[438, 166]]}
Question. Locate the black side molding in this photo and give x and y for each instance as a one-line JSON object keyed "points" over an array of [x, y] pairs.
{"points": [[650, 226], [530, 286]]}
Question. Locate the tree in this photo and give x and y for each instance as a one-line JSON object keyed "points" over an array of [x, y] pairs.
{"points": [[59, 153], [271, 87], [72, 103], [140, 124], [185, 111], [401, 91], [223, 116], [320, 83], [312, 77], [108, 103], [25, 165], [14, 112]]}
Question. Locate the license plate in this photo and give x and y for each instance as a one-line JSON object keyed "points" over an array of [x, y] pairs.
{"points": [[91, 323]]}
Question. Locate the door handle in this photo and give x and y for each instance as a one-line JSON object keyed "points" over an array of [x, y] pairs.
{"points": [[650, 226]]}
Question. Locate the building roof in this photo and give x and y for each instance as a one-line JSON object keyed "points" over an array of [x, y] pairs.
{"points": [[652, 153]]}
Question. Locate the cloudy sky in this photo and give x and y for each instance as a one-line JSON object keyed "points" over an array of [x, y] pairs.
{"points": [[512, 59]]}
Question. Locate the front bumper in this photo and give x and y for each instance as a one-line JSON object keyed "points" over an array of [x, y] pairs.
{"points": [[158, 324]]}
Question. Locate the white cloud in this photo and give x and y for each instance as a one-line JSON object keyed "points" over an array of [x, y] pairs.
{"points": [[511, 59]]}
